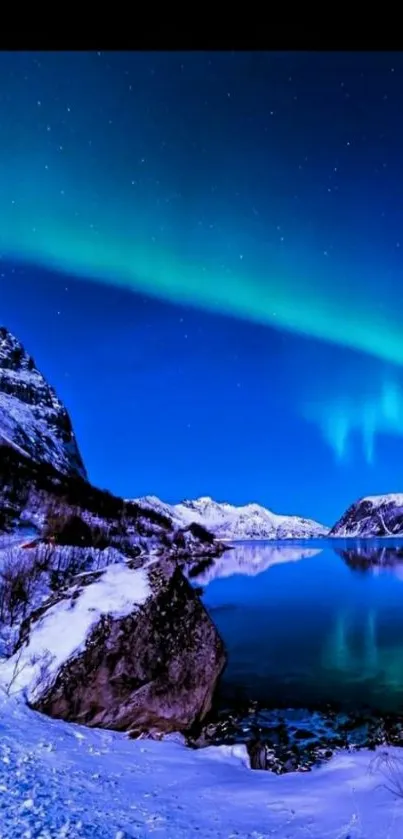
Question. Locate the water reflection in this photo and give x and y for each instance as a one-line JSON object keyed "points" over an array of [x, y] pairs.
{"points": [[353, 651], [305, 633], [359, 647], [351, 646], [373, 557], [250, 559]]}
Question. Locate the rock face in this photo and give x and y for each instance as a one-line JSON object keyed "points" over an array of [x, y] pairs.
{"points": [[126, 648], [376, 515], [32, 418], [228, 522]]}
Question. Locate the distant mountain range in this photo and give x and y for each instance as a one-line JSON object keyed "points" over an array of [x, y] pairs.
{"points": [[374, 516], [36, 426], [231, 523]]}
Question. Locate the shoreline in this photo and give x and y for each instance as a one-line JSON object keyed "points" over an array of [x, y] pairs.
{"points": [[289, 739]]}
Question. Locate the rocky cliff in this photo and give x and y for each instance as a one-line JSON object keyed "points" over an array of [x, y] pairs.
{"points": [[32, 418]]}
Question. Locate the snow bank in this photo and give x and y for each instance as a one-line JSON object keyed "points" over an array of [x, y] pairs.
{"points": [[59, 779], [63, 630]]}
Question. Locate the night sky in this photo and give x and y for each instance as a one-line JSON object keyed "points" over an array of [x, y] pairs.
{"points": [[204, 253]]}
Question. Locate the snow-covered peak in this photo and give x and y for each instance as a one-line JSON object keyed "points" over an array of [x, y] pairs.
{"points": [[389, 498], [226, 521], [203, 504], [32, 418]]}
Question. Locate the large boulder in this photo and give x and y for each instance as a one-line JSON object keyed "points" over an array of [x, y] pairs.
{"points": [[128, 648]]}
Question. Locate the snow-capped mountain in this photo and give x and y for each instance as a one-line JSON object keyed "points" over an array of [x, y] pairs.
{"points": [[32, 419], [374, 515], [228, 522]]}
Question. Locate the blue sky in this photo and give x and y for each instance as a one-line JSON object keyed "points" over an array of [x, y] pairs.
{"points": [[204, 254]]}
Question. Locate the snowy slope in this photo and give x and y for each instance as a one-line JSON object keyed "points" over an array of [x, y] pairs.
{"points": [[32, 418], [62, 780], [374, 515], [226, 521]]}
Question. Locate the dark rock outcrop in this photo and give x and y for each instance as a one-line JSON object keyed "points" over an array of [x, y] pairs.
{"points": [[152, 668]]}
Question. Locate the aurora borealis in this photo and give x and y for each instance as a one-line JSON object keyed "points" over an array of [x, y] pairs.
{"points": [[253, 195]]}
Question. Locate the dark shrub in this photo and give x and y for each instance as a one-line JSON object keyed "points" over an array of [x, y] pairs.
{"points": [[68, 530], [201, 533], [19, 573]]}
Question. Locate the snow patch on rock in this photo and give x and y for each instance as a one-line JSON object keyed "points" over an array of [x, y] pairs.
{"points": [[61, 633]]}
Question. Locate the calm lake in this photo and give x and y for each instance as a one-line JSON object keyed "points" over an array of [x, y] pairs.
{"points": [[310, 623]]}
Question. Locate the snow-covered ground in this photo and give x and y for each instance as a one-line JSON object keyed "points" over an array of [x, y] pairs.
{"points": [[62, 780]]}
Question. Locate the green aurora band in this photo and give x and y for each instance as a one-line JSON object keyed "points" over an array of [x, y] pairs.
{"points": [[286, 298]]}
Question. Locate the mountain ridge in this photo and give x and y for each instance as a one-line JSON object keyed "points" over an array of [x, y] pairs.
{"points": [[239, 523]]}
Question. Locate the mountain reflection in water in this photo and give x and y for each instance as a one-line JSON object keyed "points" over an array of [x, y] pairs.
{"points": [[304, 633], [250, 558]]}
